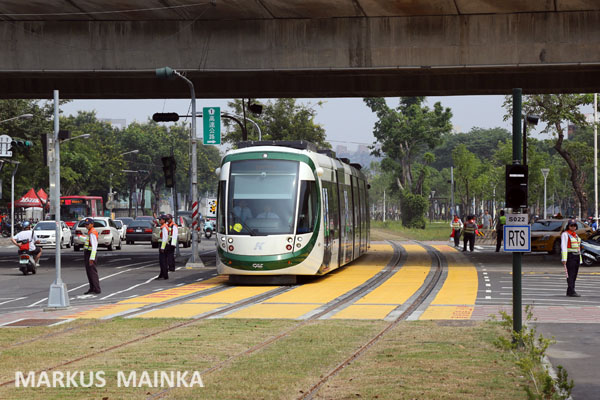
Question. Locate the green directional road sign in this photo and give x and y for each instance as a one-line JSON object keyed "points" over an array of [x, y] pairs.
{"points": [[211, 117]]}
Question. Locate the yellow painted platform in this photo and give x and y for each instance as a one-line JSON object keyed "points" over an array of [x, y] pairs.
{"points": [[456, 298], [310, 296], [104, 311], [395, 291]]}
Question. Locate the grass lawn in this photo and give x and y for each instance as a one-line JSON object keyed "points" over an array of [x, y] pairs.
{"points": [[395, 231], [424, 360]]}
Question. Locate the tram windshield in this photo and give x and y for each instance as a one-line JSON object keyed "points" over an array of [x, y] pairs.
{"points": [[262, 197]]}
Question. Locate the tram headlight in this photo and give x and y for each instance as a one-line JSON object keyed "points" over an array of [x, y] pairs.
{"points": [[222, 238], [230, 248], [290, 240], [298, 245], [230, 240], [300, 239], [288, 247]]}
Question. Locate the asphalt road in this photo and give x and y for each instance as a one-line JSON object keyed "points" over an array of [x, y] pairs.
{"points": [[123, 274]]}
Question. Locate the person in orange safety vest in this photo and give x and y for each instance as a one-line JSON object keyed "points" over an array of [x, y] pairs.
{"points": [[570, 245]]}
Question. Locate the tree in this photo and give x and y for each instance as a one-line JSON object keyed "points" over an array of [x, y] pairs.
{"points": [[404, 133], [466, 168], [556, 110], [282, 119]]}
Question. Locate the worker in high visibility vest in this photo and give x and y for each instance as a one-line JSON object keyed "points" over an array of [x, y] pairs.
{"points": [[570, 245], [162, 252], [500, 230], [470, 229], [90, 247], [172, 245], [457, 227]]}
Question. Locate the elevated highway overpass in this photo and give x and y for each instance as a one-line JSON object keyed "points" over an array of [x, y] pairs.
{"points": [[297, 48]]}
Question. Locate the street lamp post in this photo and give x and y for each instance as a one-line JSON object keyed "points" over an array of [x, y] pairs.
{"points": [[596, 158], [169, 73], [58, 298], [110, 193], [22, 116], [545, 173]]}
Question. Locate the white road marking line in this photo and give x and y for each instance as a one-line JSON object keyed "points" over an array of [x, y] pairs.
{"points": [[488, 297], [12, 322], [488, 291], [488, 284], [8, 301], [103, 278], [129, 288]]}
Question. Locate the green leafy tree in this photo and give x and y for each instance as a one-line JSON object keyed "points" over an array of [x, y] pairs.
{"points": [[466, 170], [555, 111], [282, 119], [403, 134]]}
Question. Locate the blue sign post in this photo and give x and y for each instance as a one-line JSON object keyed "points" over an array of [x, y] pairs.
{"points": [[212, 125]]}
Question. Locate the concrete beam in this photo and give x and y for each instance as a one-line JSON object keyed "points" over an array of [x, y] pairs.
{"points": [[391, 56]]}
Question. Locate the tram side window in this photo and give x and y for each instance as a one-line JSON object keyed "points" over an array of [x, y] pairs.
{"points": [[221, 207], [307, 210]]}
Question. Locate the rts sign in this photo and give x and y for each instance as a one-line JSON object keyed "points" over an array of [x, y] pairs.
{"points": [[517, 233]]}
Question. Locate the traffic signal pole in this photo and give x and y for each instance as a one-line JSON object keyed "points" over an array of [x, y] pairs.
{"points": [[517, 256]]}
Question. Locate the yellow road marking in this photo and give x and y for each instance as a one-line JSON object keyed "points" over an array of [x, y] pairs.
{"points": [[456, 298], [163, 295], [103, 311], [405, 282], [448, 312], [312, 295], [208, 303], [234, 294]]}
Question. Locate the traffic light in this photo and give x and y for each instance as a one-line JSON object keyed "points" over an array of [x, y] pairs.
{"points": [[169, 165], [516, 186], [21, 144], [165, 117]]}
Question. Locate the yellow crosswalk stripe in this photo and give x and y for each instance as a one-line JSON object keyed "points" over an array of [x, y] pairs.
{"points": [[456, 298], [395, 291]]}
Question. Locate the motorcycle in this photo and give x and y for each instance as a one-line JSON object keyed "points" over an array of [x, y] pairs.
{"points": [[208, 229], [26, 261], [590, 251]]}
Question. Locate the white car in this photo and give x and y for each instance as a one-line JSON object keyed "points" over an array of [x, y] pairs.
{"points": [[121, 227], [46, 234], [108, 235]]}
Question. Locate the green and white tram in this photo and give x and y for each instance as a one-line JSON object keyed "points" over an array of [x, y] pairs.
{"points": [[285, 208]]}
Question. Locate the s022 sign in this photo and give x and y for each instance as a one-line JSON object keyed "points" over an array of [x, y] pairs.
{"points": [[517, 219]]}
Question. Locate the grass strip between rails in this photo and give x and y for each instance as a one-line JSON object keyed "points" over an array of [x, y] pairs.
{"points": [[425, 360]]}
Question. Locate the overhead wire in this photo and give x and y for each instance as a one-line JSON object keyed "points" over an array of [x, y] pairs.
{"points": [[66, 14]]}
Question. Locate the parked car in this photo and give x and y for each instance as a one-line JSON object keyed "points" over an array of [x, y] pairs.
{"points": [[108, 235], [590, 249], [46, 233], [545, 234], [184, 233], [139, 231], [121, 228]]}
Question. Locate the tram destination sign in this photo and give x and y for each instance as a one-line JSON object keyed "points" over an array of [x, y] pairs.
{"points": [[211, 117]]}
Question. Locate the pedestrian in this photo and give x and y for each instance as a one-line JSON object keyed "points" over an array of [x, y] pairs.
{"points": [[469, 231], [90, 246], [500, 230], [162, 254], [457, 227], [487, 220], [570, 244], [172, 245]]}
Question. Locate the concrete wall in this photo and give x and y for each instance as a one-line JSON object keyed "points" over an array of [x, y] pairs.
{"points": [[464, 54]]}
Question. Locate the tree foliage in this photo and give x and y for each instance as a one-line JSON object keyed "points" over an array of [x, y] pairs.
{"points": [[281, 119]]}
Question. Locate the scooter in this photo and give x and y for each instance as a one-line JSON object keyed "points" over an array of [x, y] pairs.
{"points": [[590, 253], [208, 230], [26, 261]]}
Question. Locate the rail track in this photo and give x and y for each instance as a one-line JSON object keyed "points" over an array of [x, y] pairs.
{"points": [[393, 266]]}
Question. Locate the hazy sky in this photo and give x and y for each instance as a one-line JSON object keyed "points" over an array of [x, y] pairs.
{"points": [[345, 120]]}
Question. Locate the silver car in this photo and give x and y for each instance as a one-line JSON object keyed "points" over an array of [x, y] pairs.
{"points": [[108, 235]]}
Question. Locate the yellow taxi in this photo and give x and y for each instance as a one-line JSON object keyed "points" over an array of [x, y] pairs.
{"points": [[545, 234]]}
